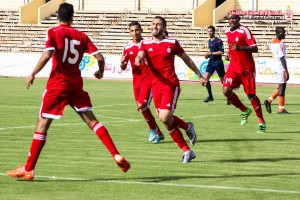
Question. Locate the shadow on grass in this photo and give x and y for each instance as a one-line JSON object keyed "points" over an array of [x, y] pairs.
{"points": [[157, 179], [257, 160], [242, 140], [168, 141], [283, 132]]}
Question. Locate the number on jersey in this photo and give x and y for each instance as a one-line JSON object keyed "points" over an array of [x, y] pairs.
{"points": [[72, 50]]}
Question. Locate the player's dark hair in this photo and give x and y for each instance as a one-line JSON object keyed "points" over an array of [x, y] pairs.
{"points": [[279, 30], [163, 20], [65, 12], [212, 28], [166, 33], [135, 23]]}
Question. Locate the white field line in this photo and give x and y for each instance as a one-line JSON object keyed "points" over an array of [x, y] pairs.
{"points": [[169, 184], [121, 120], [118, 120]]}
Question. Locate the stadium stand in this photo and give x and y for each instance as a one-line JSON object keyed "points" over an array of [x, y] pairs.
{"points": [[109, 31]]}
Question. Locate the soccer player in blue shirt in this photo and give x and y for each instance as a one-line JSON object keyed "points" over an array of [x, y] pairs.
{"points": [[215, 63]]}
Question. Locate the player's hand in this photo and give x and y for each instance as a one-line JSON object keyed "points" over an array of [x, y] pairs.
{"points": [[29, 81], [138, 61], [203, 81], [227, 57], [234, 47], [123, 64], [287, 75], [98, 74], [207, 55]]}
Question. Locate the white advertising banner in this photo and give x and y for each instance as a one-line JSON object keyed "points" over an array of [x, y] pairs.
{"points": [[21, 65]]}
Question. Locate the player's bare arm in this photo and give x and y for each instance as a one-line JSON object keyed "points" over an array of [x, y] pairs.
{"points": [[190, 63], [39, 66], [139, 58], [217, 53], [227, 56], [283, 62], [252, 49], [124, 62], [100, 59]]}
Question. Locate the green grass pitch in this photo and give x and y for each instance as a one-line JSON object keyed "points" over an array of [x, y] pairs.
{"points": [[233, 161]]}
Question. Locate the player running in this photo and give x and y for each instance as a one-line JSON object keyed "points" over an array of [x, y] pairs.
{"points": [[241, 70], [141, 81], [160, 52], [66, 46]]}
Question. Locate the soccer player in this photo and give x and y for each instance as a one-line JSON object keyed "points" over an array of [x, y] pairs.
{"points": [[215, 63], [66, 46], [141, 81], [280, 71], [160, 53], [241, 70]]}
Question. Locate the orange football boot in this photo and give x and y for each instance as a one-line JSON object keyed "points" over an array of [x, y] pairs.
{"points": [[20, 172], [123, 164]]}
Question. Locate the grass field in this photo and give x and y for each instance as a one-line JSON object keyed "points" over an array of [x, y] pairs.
{"points": [[233, 161]]}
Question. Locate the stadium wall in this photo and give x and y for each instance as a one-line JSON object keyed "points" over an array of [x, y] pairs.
{"points": [[21, 67]]}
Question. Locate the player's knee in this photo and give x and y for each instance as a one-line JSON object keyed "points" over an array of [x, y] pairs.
{"points": [[251, 96], [142, 107], [165, 119], [227, 92]]}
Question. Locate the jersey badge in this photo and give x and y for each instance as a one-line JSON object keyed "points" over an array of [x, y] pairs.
{"points": [[169, 50]]}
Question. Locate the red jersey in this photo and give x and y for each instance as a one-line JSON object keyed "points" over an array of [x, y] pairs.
{"points": [[141, 74], [160, 57], [69, 45], [241, 60]]}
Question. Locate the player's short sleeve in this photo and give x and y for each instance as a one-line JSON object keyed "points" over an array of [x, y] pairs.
{"points": [[220, 45], [50, 40], [178, 48], [90, 47], [249, 39]]}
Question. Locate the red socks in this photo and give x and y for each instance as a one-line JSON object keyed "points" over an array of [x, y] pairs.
{"points": [[104, 136], [257, 108], [38, 142], [177, 136], [150, 120], [182, 124], [234, 100]]}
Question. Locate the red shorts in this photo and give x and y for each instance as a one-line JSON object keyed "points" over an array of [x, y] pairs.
{"points": [[143, 95], [166, 97], [234, 80], [54, 102]]}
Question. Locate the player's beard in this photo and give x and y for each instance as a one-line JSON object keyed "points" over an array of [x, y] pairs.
{"points": [[156, 32]]}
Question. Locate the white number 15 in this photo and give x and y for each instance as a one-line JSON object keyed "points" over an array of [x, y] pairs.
{"points": [[73, 51]]}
